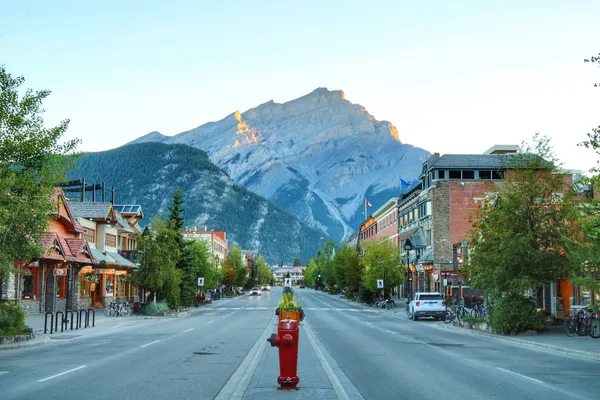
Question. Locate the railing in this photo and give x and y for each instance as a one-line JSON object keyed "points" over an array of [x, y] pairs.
{"points": [[131, 255]]}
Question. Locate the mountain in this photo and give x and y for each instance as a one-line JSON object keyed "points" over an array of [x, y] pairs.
{"points": [[147, 174], [317, 157]]}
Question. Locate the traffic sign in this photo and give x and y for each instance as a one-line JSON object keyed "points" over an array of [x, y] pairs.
{"points": [[200, 281], [379, 283], [288, 281]]}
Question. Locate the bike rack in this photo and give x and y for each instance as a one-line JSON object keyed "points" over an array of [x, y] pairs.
{"points": [[62, 321], [51, 314], [77, 320], [67, 320], [87, 318], [80, 318]]}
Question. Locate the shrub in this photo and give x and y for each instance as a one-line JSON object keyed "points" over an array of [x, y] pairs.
{"points": [[157, 308], [12, 319], [514, 314], [349, 294]]}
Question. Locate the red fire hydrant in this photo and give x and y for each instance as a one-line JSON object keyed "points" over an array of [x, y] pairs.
{"points": [[286, 339]]}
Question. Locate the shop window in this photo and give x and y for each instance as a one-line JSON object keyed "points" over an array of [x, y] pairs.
{"points": [[84, 286], [442, 174], [485, 174], [29, 283], [60, 287]]}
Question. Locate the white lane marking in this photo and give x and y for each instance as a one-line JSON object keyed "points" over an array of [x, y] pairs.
{"points": [[191, 329], [392, 332], [522, 376], [368, 323], [311, 308], [210, 322], [148, 344], [62, 373], [335, 382], [238, 382], [325, 309]]}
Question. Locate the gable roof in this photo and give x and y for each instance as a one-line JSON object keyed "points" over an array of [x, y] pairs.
{"points": [[123, 225], [469, 161], [92, 210]]}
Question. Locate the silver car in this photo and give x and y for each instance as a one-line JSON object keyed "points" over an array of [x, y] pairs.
{"points": [[255, 291]]}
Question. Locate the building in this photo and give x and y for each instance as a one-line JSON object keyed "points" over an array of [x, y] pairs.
{"points": [[216, 240], [296, 274]]}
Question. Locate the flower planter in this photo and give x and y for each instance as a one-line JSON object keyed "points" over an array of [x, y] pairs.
{"points": [[295, 315]]}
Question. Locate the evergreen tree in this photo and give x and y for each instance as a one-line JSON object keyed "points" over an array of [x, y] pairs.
{"points": [[297, 262], [176, 220]]}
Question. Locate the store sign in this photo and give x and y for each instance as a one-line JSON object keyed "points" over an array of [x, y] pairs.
{"points": [[106, 271], [60, 272]]}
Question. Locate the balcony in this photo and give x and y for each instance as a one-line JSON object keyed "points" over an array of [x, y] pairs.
{"points": [[131, 255]]}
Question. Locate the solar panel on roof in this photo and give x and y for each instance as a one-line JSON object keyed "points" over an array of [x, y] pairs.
{"points": [[118, 208], [135, 209], [127, 209]]}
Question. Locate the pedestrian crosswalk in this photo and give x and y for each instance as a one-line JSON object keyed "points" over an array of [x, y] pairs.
{"points": [[307, 309]]}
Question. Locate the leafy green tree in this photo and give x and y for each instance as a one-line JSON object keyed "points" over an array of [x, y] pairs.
{"points": [[159, 253], [353, 268], [325, 263], [235, 259], [310, 273], [518, 237], [263, 271], [594, 59], [31, 164], [230, 274], [381, 262], [584, 251]]}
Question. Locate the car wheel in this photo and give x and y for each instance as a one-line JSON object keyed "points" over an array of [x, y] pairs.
{"points": [[414, 316]]}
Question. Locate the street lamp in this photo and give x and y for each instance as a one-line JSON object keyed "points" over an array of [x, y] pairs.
{"points": [[408, 246]]}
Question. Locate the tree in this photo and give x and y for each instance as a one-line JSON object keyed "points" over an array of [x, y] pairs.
{"points": [[310, 273], [518, 239], [381, 262], [353, 268], [159, 253], [230, 275], [263, 272], [594, 59], [325, 263], [176, 220], [32, 162], [297, 262]]}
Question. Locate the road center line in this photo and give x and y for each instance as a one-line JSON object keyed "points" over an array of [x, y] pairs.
{"points": [[335, 382], [191, 329], [148, 344], [368, 323], [210, 322], [62, 373], [522, 376]]}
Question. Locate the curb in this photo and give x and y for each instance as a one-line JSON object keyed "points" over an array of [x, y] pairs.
{"points": [[540, 346], [38, 341]]}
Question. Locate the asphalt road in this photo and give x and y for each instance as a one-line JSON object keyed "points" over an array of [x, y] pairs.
{"points": [[346, 351]]}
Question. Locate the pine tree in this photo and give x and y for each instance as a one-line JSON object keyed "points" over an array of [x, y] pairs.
{"points": [[176, 219]]}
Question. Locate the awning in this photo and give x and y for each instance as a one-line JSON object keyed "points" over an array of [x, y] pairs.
{"points": [[121, 261], [427, 257], [101, 258]]}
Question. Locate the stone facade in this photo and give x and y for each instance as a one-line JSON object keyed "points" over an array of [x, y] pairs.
{"points": [[440, 210], [8, 287]]}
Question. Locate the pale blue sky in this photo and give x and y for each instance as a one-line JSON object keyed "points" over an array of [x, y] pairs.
{"points": [[452, 76]]}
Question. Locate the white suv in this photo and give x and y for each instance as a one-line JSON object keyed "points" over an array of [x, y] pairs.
{"points": [[426, 305]]}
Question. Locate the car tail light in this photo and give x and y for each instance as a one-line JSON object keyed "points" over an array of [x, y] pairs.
{"points": [[418, 303]]}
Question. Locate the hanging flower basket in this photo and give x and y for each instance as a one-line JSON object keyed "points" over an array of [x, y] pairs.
{"points": [[123, 278], [92, 277]]}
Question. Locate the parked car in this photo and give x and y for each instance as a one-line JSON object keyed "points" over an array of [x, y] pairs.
{"points": [[302, 286], [266, 287], [426, 305], [255, 291]]}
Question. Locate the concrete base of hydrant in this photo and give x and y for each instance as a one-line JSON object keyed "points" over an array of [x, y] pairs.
{"points": [[288, 383]]}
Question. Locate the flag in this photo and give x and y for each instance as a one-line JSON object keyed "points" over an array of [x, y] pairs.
{"points": [[404, 183], [367, 203]]}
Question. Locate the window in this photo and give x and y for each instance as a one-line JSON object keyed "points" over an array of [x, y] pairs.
{"points": [[454, 174], [84, 286], [110, 240], [497, 174], [485, 174], [428, 237], [416, 213], [89, 235], [60, 287], [468, 174], [442, 174], [29, 283]]}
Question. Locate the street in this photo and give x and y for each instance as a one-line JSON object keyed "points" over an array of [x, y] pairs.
{"points": [[346, 351]]}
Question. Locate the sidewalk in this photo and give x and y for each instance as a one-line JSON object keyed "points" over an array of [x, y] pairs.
{"points": [[552, 339]]}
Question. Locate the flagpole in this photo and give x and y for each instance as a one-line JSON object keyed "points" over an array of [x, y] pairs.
{"points": [[365, 208]]}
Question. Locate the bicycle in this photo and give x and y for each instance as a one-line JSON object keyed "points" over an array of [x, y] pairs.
{"points": [[592, 325], [576, 324], [449, 316]]}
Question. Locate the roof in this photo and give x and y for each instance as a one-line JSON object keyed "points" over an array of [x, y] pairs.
{"points": [[388, 205], [128, 209], [91, 210], [427, 257], [122, 261], [123, 225], [469, 161]]}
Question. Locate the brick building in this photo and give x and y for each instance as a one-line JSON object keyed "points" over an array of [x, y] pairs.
{"points": [[216, 240]]}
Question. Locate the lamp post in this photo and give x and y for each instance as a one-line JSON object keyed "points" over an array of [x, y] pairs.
{"points": [[408, 246]]}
